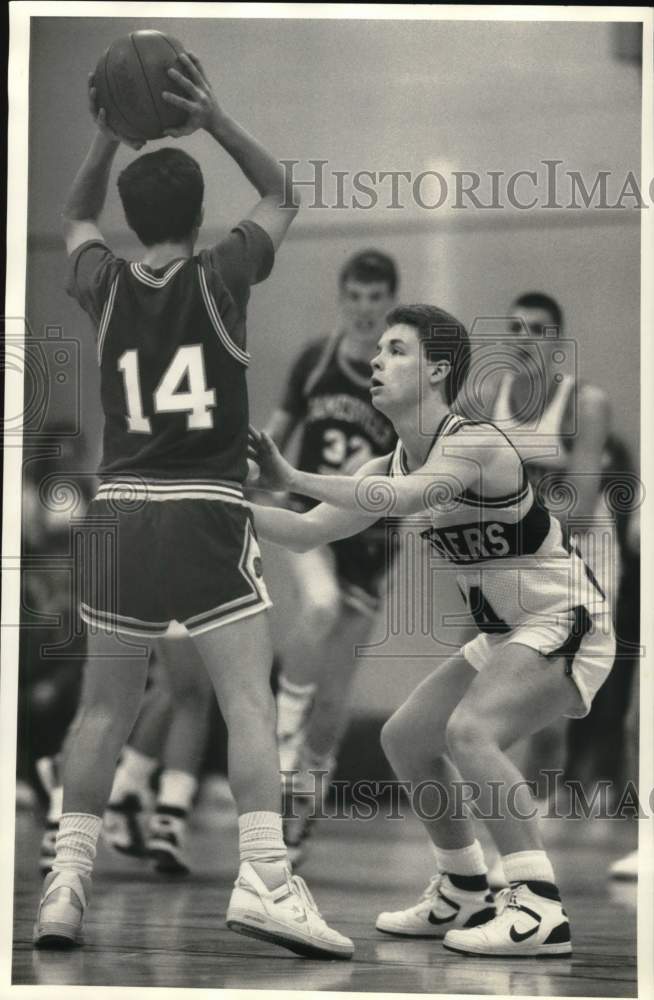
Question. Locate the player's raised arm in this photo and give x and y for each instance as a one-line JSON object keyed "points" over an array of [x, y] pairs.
{"points": [[88, 191], [442, 475], [276, 210]]}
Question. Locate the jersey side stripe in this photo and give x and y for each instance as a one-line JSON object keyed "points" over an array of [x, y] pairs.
{"points": [[106, 317], [217, 322]]}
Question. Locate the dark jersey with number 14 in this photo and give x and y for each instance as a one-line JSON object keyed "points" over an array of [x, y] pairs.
{"points": [[172, 354]]}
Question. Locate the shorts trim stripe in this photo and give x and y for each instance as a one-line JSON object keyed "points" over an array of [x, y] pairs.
{"points": [[260, 604], [121, 623], [217, 323], [170, 491], [213, 619]]}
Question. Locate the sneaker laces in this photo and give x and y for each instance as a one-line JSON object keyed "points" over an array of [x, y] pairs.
{"points": [[506, 899], [433, 886], [297, 883]]}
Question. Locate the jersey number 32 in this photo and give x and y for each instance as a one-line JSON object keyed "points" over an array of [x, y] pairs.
{"points": [[197, 401]]}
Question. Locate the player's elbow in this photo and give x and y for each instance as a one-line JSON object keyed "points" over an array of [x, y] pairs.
{"points": [[71, 221]]}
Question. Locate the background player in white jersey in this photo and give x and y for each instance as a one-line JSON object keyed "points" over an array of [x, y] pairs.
{"points": [[545, 644], [571, 452], [172, 355], [571, 439], [337, 587]]}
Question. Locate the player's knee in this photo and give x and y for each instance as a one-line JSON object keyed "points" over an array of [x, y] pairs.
{"points": [[395, 738], [319, 615], [464, 730]]}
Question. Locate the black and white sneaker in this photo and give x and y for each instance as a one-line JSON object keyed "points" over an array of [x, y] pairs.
{"points": [[441, 907], [528, 924], [166, 842], [122, 826]]}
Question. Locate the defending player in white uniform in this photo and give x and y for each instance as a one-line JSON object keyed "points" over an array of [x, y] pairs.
{"points": [[545, 645]]}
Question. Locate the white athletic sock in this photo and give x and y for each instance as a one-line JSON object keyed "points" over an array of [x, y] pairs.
{"points": [[435, 855], [177, 789], [76, 842], [461, 861], [260, 842], [293, 704], [525, 866], [55, 804], [132, 775]]}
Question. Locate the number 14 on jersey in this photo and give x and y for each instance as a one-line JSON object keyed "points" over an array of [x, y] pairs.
{"points": [[197, 401]]}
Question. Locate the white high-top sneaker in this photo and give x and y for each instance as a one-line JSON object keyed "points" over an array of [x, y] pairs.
{"points": [[287, 916], [526, 924], [61, 910], [440, 907]]}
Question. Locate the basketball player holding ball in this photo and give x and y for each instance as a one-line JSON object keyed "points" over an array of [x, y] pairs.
{"points": [[173, 358]]}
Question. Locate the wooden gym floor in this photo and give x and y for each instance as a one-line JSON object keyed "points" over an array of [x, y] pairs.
{"points": [[144, 930]]}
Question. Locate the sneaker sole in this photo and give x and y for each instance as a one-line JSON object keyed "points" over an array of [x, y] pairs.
{"points": [[303, 948], [426, 935], [541, 951]]}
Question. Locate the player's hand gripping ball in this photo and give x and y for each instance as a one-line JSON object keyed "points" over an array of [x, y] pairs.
{"points": [[128, 84]]}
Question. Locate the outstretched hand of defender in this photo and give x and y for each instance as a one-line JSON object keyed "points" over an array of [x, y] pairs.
{"points": [[275, 473], [199, 100], [99, 116]]}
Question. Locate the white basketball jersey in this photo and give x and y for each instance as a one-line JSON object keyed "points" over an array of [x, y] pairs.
{"points": [[513, 565]]}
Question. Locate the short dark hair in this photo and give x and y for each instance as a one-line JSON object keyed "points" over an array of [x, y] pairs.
{"points": [[162, 195], [539, 300], [443, 338], [368, 266]]}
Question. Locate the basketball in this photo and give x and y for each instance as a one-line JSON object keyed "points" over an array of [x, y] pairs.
{"points": [[129, 80]]}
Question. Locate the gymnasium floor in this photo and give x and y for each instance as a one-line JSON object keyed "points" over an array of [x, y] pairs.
{"points": [[145, 931]]}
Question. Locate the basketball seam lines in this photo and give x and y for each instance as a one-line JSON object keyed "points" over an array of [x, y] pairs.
{"points": [[147, 82], [107, 80]]}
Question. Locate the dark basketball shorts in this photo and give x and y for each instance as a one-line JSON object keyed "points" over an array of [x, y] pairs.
{"points": [[157, 551], [361, 563], [362, 566]]}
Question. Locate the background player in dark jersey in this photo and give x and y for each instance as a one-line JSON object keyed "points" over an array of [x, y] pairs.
{"points": [[337, 587], [169, 536]]}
